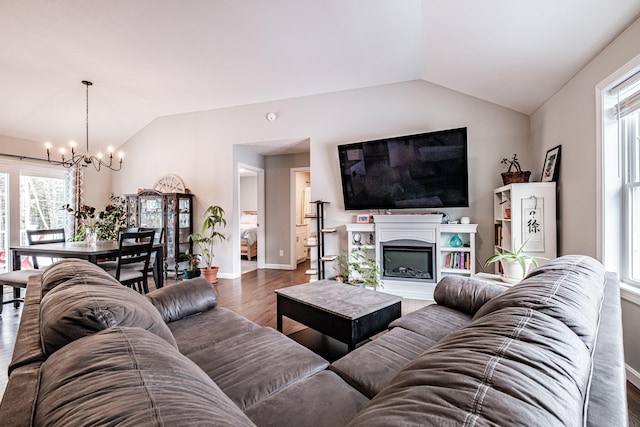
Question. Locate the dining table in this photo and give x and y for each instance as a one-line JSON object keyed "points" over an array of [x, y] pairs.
{"points": [[92, 252]]}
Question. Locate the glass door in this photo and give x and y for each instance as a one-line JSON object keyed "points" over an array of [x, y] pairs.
{"points": [[4, 223], [151, 211]]}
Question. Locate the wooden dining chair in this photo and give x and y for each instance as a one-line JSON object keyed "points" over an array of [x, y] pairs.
{"points": [[158, 238], [134, 256], [18, 278]]}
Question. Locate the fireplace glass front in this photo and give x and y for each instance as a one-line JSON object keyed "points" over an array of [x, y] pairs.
{"points": [[408, 260]]}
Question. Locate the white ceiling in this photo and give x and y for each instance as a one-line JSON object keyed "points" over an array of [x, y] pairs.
{"points": [[149, 58]]}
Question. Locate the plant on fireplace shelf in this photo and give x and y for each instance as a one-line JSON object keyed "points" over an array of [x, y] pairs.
{"points": [[358, 268], [206, 239]]}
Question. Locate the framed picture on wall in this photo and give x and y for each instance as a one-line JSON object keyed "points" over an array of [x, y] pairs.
{"points": [[362, 218], [551, 165]]}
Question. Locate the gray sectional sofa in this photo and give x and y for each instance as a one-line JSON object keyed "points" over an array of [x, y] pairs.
{"points": [[545, 352]]}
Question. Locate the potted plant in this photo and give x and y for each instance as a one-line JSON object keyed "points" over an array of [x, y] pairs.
{"points": [[342, 267], [193, 269], [205, 240], [518, 175], [515, 265], [358, 269]]}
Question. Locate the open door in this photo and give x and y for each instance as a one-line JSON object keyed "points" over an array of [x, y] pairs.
{"points": [[251, 217]]}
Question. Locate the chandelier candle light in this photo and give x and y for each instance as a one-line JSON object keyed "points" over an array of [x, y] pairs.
{"points": [[85, 159]]}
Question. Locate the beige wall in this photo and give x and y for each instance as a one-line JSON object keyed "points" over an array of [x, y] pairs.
{"points": [[569, 118], [279, 211], [248, 193], [199, 147]]}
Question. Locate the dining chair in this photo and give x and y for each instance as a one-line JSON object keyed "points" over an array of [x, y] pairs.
{"points": [[111, 264], [134, 256], [18, 278], [158, 238]]}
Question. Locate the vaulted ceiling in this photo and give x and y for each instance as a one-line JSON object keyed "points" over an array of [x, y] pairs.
{"points": [[150, 58]]}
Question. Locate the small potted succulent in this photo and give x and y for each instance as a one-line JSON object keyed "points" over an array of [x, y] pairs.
{"points": [[193, 269], [514, 176]]}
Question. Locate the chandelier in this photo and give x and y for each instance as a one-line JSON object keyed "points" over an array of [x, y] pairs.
{"points": [[85, 159]]}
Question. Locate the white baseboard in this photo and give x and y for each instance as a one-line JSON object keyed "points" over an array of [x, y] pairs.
{"points": [[633, 376], [228, 275], [279, 267], [411, 290]]}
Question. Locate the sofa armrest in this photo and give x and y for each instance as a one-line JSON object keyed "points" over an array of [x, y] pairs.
{"points": [[183, 299], [465, 294]]}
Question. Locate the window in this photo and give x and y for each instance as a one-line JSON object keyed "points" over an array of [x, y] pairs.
{"points": [[630, 142], [4, 222], [41, 201], [31, 197], [621, 178]]}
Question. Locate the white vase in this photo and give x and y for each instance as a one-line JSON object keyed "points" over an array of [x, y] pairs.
{"points": [[512, 270]]}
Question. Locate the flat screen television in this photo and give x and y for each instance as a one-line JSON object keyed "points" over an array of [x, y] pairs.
{"points": [[427, 170]]}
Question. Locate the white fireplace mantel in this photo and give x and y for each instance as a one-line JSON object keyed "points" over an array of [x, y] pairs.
{"points": [[421, 228]]}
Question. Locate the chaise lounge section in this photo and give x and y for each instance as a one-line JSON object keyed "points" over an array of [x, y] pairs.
{"points": [[545, 352]]}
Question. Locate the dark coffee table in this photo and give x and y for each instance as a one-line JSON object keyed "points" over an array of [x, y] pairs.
{"points": [[346, 313]]}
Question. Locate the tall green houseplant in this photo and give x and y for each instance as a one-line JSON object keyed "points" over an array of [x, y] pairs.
{"points": [[206, 239]]}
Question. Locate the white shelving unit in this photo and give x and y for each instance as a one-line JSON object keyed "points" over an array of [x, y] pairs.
{"points": [[457, 260], [366, 235], [526, 211]]}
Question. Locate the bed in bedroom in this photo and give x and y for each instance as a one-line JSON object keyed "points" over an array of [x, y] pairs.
{"points": [[249, 234]]}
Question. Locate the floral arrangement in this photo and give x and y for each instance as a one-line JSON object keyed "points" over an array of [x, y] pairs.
{"points": [[112, 219], [107, 222]]}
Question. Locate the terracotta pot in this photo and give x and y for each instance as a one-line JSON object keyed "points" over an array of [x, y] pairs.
{"points": [[211, 274]]}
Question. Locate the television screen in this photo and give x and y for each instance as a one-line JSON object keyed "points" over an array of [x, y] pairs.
{"points": [[427, 170]]}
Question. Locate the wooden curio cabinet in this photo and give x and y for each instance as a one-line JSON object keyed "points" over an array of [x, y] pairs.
{"points": [[170, 212]]}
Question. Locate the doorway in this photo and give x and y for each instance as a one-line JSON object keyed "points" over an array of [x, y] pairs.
{"points": [[251, 210], [300, 211]]}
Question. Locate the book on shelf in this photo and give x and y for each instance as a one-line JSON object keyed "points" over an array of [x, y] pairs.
{"points": [[458, 260], [498, 234]]}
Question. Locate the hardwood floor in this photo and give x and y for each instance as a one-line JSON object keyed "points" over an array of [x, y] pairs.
{"points": [[252, 296]]}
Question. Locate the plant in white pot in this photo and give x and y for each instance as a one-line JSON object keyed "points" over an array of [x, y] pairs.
{"points": [[515, 265], [206, 239]]}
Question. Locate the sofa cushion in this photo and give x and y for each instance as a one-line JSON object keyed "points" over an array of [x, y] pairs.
{"points": [[218, 325], [68, 268], [515, 366], [183, 299], [433, 321], [323, 399], [85, 305], [569, 288], [371, 367], [129, 377], [465, 294], [253, 366]]}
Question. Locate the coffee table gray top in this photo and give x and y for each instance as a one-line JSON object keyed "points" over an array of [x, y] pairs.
{"points": [[342, 300]]}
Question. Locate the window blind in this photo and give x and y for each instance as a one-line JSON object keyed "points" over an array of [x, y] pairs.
{"points": [[628, 94]]}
